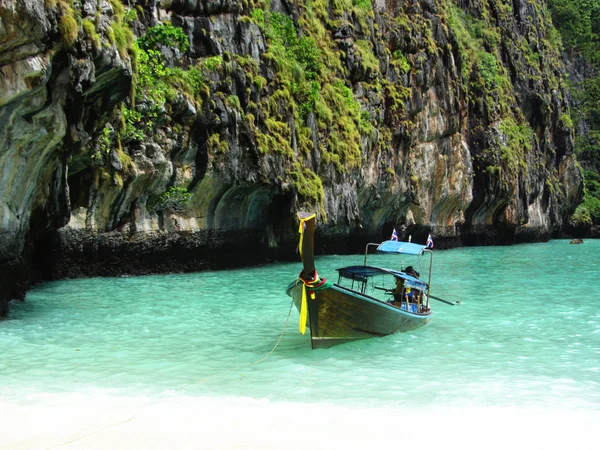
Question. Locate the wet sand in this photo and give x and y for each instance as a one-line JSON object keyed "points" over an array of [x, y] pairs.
{"points": [[101, 422]]}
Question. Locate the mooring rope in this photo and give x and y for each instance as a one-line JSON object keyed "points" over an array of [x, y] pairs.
{"points": [[264, 357], [280, 336]]}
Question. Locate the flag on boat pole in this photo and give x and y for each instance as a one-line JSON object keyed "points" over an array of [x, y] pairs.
{"points": [[394, 236], [429, 243]]}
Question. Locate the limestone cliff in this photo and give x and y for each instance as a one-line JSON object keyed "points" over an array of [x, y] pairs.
{"points": [[193, 146]]}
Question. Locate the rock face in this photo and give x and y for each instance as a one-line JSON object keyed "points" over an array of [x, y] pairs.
{"points": [[51, 88], [422, 115]]}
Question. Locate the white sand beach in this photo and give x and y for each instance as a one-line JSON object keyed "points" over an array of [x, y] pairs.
{"points": [[75, 421]]}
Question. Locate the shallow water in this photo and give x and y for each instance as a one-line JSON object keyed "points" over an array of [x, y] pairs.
{"points": [[527, 334]]}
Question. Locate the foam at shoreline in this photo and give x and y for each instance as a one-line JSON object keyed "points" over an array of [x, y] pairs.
{"points": [[79, 421]]}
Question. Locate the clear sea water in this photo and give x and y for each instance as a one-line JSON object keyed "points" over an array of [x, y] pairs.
{"points": [[527, 334]]}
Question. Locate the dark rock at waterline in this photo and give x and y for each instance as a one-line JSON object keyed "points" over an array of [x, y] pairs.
{"points": [[74, 254], [580, 232], [68, 254], [14, 282]]}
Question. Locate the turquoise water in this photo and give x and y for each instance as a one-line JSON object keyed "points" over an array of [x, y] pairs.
{"points": [[526, 334]]}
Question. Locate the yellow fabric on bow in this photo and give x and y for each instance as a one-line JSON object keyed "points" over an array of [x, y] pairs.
{"points": [[304, 309], [301, 230], [303, 305]]}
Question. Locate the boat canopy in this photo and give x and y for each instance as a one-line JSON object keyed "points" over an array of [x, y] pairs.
{"points": [[363, 273], [405, 248]]}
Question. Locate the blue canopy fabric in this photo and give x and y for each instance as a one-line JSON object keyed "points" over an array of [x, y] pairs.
{"points": [[363, 273], [405, 248]]}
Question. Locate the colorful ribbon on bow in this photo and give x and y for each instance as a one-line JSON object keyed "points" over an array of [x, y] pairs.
{"points": [[310, 286]]}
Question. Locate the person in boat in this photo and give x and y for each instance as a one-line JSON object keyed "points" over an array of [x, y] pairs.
{"points": [[410, 270], [412, 295], [400, 294], [397, 292]]}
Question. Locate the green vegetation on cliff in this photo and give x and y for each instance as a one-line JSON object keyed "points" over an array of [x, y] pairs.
{"points": [[328, 88], [579, 24], [505, 134], [176, 200], [308, 82]]}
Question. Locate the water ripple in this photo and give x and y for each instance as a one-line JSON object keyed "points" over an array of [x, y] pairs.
{"points": [[524, 335]]}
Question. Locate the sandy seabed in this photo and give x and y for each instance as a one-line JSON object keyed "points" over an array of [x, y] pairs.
{"points": [[73, 421]]}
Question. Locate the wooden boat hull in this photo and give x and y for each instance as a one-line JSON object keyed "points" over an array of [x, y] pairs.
{"points": [[337, 315]]}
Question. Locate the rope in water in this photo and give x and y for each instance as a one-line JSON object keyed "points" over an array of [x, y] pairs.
{"points": [[317, 285], [264, 357], [280, 336]]}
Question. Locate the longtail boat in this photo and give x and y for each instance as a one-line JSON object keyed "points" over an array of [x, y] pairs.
{"points": [[366, 301]]}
